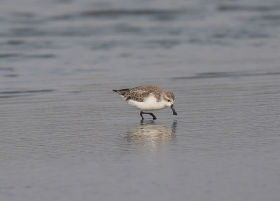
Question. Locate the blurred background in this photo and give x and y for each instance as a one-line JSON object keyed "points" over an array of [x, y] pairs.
{"points": [[65, 136]]}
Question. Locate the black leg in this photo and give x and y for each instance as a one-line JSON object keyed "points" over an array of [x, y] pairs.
{"points": [[154, 117], [141, 114]]}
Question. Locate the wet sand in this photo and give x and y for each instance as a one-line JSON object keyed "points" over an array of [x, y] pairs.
{"points": [[64, 135]]}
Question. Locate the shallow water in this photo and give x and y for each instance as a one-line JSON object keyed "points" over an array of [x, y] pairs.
{"points": [[64, 135]]}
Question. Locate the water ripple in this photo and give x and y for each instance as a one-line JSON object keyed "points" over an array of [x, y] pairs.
{"points": [[260, 8], [16, 55], [162, 14], [16, 93], [209, 75]]}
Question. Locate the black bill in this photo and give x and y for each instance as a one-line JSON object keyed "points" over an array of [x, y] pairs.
{"points": [[172, 108]]}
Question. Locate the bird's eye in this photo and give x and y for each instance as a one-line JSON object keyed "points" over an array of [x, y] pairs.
{"points": [[169, 100]]}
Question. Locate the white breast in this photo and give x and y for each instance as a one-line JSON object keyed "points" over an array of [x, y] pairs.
{"points": [[150, 103]]}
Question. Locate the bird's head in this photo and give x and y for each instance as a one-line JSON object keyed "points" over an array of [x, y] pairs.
{"points": [[169, 99]]}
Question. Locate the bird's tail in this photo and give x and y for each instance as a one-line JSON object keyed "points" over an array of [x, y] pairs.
{"points": [[121, 92]]}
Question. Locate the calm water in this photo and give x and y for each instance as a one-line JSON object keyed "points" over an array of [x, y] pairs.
{"points": [[65, 136]]}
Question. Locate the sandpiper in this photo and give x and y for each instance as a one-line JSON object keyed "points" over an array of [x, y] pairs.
{"points": [[148, 98]]}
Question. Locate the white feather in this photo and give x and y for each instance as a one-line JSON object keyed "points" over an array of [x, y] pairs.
{"points": [[149, 103]]}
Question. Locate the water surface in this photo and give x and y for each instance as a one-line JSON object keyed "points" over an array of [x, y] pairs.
{"points": [[65, 136]]}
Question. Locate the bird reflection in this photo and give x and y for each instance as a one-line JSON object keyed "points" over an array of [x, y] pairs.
{"points": [[151, 134]]}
